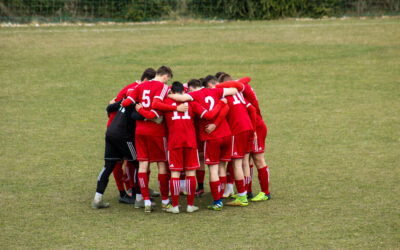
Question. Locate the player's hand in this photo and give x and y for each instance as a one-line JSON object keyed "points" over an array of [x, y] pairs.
{"points": [[224, 100], [112, 101], [124, 167], [138, 106], [210, 128], [182, 107]]}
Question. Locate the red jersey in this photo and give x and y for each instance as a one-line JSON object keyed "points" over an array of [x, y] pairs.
{"points": [[144, 93], [208, 98], [121, 95], [238, 117], [181, 130]]}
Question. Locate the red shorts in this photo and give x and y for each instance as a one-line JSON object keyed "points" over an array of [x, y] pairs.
{"points": [[242, 144], [151, 148], [259, 144], [218, 150], [181, 159]]}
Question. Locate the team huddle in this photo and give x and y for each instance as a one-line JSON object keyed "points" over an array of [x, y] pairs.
{"points": [[214, 121]]}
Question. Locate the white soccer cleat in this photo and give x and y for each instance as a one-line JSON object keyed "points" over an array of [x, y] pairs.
{"points": [[228, 191], [171, 209], [191, 209]]}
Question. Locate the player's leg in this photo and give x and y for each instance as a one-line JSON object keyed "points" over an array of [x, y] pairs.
{"points": [[263, 177], [175, 188], [190, 190], [200, 173], [163, 180], [212, 150], [230, 179], [118, 175], [222, 177], [125, 198], [144, 199], [102, 182], [250, 185], [246, 172]]}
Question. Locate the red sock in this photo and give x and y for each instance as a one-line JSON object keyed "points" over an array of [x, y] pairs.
{"points": [[144, 185], [240, 186], [229, 174], [247, 182], [163, 183], [215, 190], [222, 180], [131, 175], [200, 176], [263, 177], [117, 172], [250, 188], [190, 189], [175, 186]]}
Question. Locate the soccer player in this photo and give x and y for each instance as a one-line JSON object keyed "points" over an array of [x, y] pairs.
{"points": [[258, 149], [217, 143], [182, 146], [151, 137], [119, 176], [242, 121], [120, 142]]}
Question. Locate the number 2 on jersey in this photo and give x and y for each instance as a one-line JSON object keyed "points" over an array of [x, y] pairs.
{"points": [[210, 100]]}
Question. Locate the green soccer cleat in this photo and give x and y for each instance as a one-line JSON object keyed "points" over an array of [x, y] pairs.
{"points": [[100, 204], [239, 201], [148, 209], [215, 207], [261, 196], [171, 209]]}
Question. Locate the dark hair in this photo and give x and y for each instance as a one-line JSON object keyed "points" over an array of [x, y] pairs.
{"points": [[194, 83], [149, 73], [224, 78], [177, 87], [219, 73], [208, 79], [164, 70]]}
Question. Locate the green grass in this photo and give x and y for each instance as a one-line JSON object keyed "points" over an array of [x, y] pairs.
{"points": [[329, 92]]}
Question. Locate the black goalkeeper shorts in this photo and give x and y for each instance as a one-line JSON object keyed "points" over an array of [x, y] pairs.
{"points": [[119, 149]]}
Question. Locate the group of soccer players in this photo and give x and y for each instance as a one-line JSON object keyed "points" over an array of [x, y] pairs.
{"points": [[213, 121]]}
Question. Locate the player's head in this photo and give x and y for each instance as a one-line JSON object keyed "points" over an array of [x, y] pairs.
{"points": [[219, 73], [194, 84], [224, 78], [210, 81], [164, 74], [177, 88], [148, 74]]}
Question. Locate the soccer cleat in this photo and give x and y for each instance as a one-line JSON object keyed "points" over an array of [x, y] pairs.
{"points": [[100, 204], [154, 193], [261, 196], [191, 209], [171, 209], [148, 209], [199, 192], [127, 199], [228, 193], [239, 201], [215, 207], [249, 195], [140, 204]]}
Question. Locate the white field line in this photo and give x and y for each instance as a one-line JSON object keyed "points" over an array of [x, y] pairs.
{"points": [[192, 28]]}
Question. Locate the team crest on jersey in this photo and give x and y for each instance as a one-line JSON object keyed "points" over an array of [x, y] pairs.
{"points": [[207, 159], [172, 165], [259, 148]]}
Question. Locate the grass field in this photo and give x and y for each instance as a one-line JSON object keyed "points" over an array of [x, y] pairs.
{"points": [[329, 91]]}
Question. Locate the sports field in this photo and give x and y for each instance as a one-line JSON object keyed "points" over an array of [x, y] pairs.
{"points": [[329, 92]]}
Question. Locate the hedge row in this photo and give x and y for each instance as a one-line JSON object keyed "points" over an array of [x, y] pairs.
{"points": [[142, 10]]}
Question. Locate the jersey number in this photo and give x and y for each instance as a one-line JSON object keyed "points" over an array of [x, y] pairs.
{"points": [[146, 98], [178, 117], [210, 100], [238, 97]]}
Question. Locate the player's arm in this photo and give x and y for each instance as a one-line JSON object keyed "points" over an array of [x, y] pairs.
{"points": [[132, 97], [220, 117], [231, 84], [148, 114], [245, 80], [181, 98], [159, 105], [113, 107]]}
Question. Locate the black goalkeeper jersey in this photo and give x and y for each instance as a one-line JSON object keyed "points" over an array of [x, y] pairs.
{"points": [[124, 123]]}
